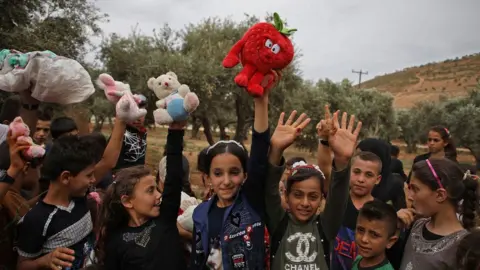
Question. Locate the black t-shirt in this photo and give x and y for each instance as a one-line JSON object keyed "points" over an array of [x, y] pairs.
{"points": [[134, 148], [143, 247], [47, 227], [429, 236], [156, 244], [215, 224]]}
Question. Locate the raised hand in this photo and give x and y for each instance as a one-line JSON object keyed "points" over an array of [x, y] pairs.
{"points": [[269, 81], [324, 126], [286, 133], [16, 147], [343, 138]]}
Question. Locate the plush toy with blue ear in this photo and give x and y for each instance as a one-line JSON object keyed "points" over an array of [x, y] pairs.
{"points": [[176, 102]]}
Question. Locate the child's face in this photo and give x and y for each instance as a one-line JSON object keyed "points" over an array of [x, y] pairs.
{"points": [[426, 201], [435, 142], [80, 183], [372, 237], [304, 198], [364, 175], [226, 175], [145, 199]]}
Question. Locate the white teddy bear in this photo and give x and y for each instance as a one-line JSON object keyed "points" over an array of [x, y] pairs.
{"points": [[176, 101]]}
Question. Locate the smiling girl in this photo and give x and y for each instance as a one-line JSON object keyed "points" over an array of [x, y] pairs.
{"points": [[300, 238], [134, 235], [228, 228]]}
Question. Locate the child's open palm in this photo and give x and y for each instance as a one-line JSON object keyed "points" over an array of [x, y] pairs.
{"points": [[343, 138], [286, 133]]}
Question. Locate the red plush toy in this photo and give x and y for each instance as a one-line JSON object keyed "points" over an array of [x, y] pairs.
{"points": [[264, 47]]}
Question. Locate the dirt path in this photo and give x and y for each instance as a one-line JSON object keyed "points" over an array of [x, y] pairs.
{"points": [[418, 85]]}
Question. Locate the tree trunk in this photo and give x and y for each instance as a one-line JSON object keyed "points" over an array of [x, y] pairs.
{"points": [[99, 123], [207, 129], [223, 131], [240, 130], [476, 154], [411, 146], [196, 124]]}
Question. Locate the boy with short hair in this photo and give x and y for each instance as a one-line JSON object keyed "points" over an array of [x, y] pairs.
{"points": [[365, 173], [376, 231], [61, 126], [57, 231]]}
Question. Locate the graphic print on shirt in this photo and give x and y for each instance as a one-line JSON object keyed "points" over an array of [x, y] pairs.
{"points": [[85, 250], [135, 146], [214, 260], [141, 238], [302, 254], [344, 250]]}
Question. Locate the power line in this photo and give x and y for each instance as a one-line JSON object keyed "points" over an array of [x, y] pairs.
{"points": [[360, 73]]}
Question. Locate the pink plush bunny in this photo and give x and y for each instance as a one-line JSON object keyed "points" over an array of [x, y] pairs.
{"points": [[120, 94], [20, 129]]}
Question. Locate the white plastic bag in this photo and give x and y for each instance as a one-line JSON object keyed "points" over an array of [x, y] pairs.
{"points": [[185, 219], [53, 79]]}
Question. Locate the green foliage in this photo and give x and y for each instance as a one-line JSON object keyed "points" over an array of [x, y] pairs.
{"points": [[64, 27], [460, 115]]}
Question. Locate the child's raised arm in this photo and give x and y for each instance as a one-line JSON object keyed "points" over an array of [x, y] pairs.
{"points": [[283, 136], [173, 180], [258, 161], [342, 141], [112, 151]]}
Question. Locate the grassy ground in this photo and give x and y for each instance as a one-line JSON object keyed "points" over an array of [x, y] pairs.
{"points": [[157, 139]]}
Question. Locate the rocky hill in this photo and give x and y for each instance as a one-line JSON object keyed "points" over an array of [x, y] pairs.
{"points": [[433, 81]]}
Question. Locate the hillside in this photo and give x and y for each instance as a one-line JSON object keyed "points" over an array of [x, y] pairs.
{"points": [[450, 78]]}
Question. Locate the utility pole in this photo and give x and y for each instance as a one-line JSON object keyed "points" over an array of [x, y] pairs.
{"points": [[360, 73]]}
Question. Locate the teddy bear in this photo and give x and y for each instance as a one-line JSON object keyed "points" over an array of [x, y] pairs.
{"points": [[22, 132], [119, 93], [176, 101]]}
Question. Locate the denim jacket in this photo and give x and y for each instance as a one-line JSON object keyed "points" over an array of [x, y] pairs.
{"points": [[242, 235]]}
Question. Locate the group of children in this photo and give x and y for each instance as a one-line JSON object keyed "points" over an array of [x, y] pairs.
{"points": [[349, 211]]}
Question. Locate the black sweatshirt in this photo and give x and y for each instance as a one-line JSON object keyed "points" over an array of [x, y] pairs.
{"points": [[157, 243]]}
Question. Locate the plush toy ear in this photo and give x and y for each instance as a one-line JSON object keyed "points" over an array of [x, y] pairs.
{"points": [[170, 73], [105, 80], [151, 83]]}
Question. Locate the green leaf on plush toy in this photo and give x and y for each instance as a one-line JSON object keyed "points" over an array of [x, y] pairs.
{"points": [[278, 23]]}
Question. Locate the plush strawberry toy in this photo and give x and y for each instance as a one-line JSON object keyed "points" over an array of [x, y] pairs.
{"points": [[263, 48]]}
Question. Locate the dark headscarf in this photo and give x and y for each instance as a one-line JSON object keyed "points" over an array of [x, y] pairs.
{"points": [[382, 150]]}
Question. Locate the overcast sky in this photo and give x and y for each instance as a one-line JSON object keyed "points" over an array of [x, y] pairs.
{"points": [[334, 36]]}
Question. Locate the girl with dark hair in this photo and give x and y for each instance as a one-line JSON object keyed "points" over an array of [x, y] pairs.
{"points": [[468, 252], [228, 228], [436, 189], [201, 167], [301, 238], [133, 234], [440, 145]]}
